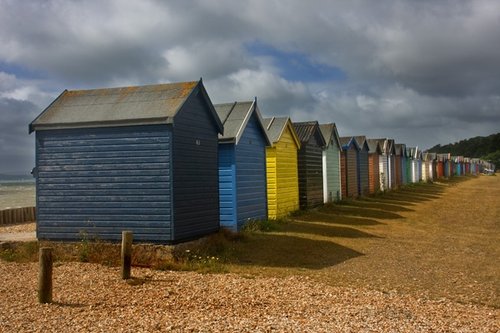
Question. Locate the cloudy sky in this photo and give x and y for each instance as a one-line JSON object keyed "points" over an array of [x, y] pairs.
{"points": [[421, 72]]}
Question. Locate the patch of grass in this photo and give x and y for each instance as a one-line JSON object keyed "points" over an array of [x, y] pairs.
{"points": [[19, 252], [207, 255], [263, 225]]}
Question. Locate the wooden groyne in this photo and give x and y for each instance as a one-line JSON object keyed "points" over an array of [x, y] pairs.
{"points": [[17, 215]]}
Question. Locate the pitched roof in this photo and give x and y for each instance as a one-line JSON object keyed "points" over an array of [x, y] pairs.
{"points": [[373, 146], [400, 149], [139, 105], [361, 140], [345, 141], [329, 132], [307, 129], [387, 145], [235, 116], [415, 153], [276, 126]]}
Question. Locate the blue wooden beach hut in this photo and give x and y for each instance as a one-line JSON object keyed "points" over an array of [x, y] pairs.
{"points": [[142, 159], [242, 164], [362, 164]]}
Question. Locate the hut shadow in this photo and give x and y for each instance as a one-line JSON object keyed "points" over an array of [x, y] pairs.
{"points": [[413, 196], [325, 230], [359, 211], [315, 216], [380, 205], [286, 251]]}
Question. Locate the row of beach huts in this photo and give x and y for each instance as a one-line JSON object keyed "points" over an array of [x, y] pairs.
{"points": [[167, 164]]}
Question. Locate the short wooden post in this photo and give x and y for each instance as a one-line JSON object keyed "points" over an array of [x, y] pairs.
{"points": [[45, 275], [127, 237]]}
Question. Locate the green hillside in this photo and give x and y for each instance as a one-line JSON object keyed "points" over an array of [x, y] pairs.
{"points": [[484, 147]]}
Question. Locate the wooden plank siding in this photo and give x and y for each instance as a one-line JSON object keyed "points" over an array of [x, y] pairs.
{"points": [[362, 167], [384, 173], [392, 171], [310, 164], [343, 173], [331, 163], [310, 175], [331, 174], [398, 171], [195, 171], [373, 173], [352, 172], [282, 176], [97, 182], [250, 157], [227, 186]]}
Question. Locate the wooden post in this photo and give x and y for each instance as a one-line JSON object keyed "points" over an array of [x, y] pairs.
{"points": [[45, 275], [127, 237]]}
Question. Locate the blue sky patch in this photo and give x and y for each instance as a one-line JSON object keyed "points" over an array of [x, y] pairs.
{"points": [[19, 71], [295, 66]]}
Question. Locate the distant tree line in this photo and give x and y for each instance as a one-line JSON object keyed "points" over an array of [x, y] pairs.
{"points": [[484, 147]]}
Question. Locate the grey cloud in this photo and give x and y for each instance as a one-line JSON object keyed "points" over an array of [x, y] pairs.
{"points": [[420, 71], [16, 146]]}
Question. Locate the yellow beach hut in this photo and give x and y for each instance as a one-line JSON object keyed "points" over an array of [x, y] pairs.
{"points": [[282, 170]]}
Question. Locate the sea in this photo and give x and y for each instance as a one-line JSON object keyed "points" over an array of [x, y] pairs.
{"points": [[17, 193]]}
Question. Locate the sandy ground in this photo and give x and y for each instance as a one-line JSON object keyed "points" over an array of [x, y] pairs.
{"points": [[92, 298]]}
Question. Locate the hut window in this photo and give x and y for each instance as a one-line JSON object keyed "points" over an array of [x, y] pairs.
{"points": [[198, 142]]}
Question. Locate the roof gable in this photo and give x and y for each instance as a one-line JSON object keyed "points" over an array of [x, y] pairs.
{"points": [[374, 146], [362, 143], [307, 130], [387, 146], [329, 132], [139, 105], [235, 116], [348, 141], [276, 126]]}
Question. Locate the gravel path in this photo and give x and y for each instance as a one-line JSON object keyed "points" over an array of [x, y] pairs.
{"points": [[90, 297], [18, 228]]}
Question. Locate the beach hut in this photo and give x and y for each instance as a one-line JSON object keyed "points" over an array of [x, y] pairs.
{"points": [[444, 162], [404, 161], [310, 163], [415, 165], [363, 182], [374, 155], [349, 166], [433, 165], [141, 158], [242, 164], [398, 167], [331, 163], [425, 167], [448, 166], [391, 155], [282, 169], [409, 159], [386, 167]]}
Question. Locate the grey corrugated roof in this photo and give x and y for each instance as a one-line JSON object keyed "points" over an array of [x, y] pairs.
{"points": [[306, 129], [361, 140], [235, 116], [374, 146], [387, 145], [346, 140], [328, 131], [150, 104], [275, 127]]}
